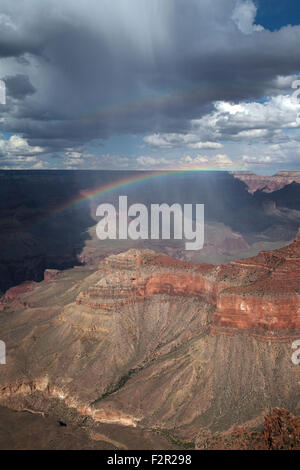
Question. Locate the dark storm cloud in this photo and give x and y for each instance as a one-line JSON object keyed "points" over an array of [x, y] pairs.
{"points": [[19, 86], [12, 44], [133, 66]]}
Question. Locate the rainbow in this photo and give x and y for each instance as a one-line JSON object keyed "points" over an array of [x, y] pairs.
{"points": [[103, 189]]}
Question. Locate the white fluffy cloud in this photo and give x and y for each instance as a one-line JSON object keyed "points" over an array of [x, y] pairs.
{"points": [[179, 140], [205, 145], [200, 161], [219, 161], [15, 152], [150, 162], [244, 15], [18, 146], [250, 120], [259, 160], [253, 134]]}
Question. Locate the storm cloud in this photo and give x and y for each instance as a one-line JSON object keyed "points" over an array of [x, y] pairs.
{"points": [[84, 70]]}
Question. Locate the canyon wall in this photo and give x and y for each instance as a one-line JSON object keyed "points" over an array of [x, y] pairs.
{"points": [[151, 342], [267, 184]]}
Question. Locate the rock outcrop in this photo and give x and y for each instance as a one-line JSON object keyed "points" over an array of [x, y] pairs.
{"points": [[51, 274], [281, 432], [267, 184], [260, 294], [151, 342]]}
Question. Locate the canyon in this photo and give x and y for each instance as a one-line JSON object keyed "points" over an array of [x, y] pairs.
{"points": [[190, 352], [267, 184], [43, 226]]}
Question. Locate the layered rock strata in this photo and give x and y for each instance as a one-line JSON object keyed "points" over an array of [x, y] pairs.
{"points": [[151, 342]]}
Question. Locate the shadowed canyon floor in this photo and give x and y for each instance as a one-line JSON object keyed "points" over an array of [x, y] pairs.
{"points": [[29, 430], [43, 225], [155, 345]]}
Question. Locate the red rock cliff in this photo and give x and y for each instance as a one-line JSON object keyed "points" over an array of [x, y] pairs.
{"points": [[260, 294]]}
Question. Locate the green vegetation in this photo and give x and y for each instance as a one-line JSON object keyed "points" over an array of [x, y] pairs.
{"points": [[117, 386], [184, 445]]}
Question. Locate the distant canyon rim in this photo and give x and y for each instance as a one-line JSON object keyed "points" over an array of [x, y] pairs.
{"points": [[140, 345]]}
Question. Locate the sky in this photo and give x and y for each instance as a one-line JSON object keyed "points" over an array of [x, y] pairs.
{"points": [[150, 84]]}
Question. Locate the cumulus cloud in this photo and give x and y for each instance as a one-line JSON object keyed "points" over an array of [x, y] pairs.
{"points": [[175, 140], [17, 146], [205, 145], [187, 75], [219, 161], [150, 162], [244, 15], [251, 120], [15, 152]]}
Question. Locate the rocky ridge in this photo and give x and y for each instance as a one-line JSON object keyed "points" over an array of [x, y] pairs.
{"points": [[267, 184], [151, 342]]}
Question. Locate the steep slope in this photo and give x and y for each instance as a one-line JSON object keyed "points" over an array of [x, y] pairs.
{"points": [[267, 184], [281, 432], [151, 342]]}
